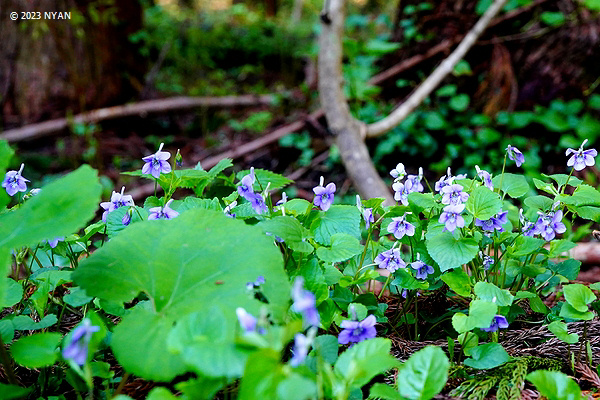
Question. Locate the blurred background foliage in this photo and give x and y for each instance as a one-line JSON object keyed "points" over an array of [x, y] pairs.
{"points": [[531, 81]]}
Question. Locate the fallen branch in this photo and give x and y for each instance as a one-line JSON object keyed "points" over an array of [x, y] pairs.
{"points": [[35, 131], [207, 163], [399, 114]]}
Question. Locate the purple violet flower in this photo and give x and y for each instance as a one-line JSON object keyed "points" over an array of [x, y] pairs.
{"points": [[451, 217], [301, 346], [390, 260], [422, 269], [77, 349], [257, 202], [117, 200], [246, 189], [487, 262], [548, 225], [494, 223], [515, 155], [324, 195], [405, 293], [400, 193], [527, 227], [446, 180], [14, 182], [398, 173], [368, 217], [157, 163], [413, 182], [357, 331], [400, 227], [256, 284], [227, 210], [453, 194], [499, 321], [54, 242], [165, 212], [247, 321], [486, 177], [305, 302], [580, 158]]}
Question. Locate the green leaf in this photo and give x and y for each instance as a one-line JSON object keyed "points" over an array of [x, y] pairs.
{"points": [[424, 374], [262, 376], [363, 361], [483, 203], [338, 219], [206, 342], [450, 252], [264, 177], [554, 385], [13, 392], [513, 185], [43, 216], [297, 387], [445, 91], [459, 281], [554, 121], [490, 292], [553, 18], [383, 391], [525, 245], [297, 207], [190, 203], [14, 292], [5, 265], [594, 100], [486, 356], [568, 268], [481, 314], [326, 346], [37, 350], [578, 296], [462, 68], [25, 323], [559, 328], [422, 200], [558, 247], [343, 247], [539, 202], [181, 265], [537, 305], [561, 179], [201, 388], [589, 212], [568, 311], [405, 280], [161, 393], [434, 120], [290, 230], [380, 47], [77, 297], [459, 102], [584, 195]]}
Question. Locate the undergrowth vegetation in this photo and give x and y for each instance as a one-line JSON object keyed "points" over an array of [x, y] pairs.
{"points": [[222, 289]]}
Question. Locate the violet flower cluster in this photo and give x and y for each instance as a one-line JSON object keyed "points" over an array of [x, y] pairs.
{"points": [[77, 348], [157, 163], [422, 269], [494, 223], [117, 200], [324, 195], [165, 212], [390, 260], [355, 331], [515, 155], [581, 158], [305, 302], [400, 227], [412, 183], [246, 190], [14, 182], [499, 321]]}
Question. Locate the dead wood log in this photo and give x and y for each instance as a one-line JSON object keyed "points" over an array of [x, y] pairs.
{"points": [[35, 131]]}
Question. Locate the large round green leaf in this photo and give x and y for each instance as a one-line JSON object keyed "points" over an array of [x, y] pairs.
{"points": [[451, 252], [61, 208], [182, 265], [36, 351], [483, 203]]}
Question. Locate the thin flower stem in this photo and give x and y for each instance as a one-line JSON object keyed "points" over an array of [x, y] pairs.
{"points": [[387, 281], [502, 177], [121, 384], [416, 317], [562, 190]]}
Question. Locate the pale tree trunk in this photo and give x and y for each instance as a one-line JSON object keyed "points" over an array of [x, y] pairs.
{"points": [[349, 132]]}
